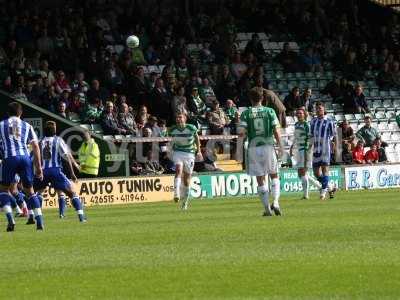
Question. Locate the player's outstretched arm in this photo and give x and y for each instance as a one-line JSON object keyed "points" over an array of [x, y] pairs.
{"points": [[277, 135], [37, 159], [69, 164], [198, 146]]}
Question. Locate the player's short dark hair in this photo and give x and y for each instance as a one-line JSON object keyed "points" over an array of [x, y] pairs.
{"points": [[50, 129], [14, 109], [256, 94], [319, 103]]}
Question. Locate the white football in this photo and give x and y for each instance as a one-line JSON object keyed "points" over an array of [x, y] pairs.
{"points": [[132, 41]]}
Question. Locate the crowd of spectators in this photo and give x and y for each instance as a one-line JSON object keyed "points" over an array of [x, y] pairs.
{"points": [[68, 60], [367, 136]]}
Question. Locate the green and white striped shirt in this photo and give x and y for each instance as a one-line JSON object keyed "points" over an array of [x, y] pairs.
{"points": [[301, 136], [183, 138]]}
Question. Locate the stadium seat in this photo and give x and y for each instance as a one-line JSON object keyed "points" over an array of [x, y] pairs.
{"points": [[380, 115], [294, 46], [373, 93], [349, 117], [120, 137], [390, 114], [392, 126], [383, 126], [74, 117], [153, 69], [393, 93], [161, 67], [339, 118], [392, 156], [383, 94], [282, 86], [262, 36], [242, 45], [108, 138], [97, 129], [309, 75], [396, 104], [86, 126], [387, 104], [241, 36], [359, 117], [337, 107], [377, 104], [354, 126], [395, 136], [386, 136]]}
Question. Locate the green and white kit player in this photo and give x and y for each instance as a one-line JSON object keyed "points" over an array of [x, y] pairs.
{"points": [[185, 144], [260, 125], [301, 152]]}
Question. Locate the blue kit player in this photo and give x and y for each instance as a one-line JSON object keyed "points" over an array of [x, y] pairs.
{"points": [[15, 136], [323, 137], [53, 150]]}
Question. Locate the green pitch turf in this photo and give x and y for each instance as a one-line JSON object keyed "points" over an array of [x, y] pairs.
{"points": [[348, 248]]}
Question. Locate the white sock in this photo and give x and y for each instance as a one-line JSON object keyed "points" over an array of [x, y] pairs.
{"points": [[24, 205], [314, 182], [184, 192], [275, 191], [177, 187], [19, 211], [304, 182], [80, 212], [185, 196], [263, 193], [37, 212], [30, 212]]}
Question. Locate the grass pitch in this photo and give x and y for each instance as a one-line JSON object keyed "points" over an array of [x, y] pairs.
{"points": [[347, 248]]}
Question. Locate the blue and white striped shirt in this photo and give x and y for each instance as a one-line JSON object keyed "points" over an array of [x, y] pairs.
{"points": [[322, 131], [15, 136], [53, 149]]}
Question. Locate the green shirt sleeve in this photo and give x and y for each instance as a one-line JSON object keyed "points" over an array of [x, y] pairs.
{"points": [[274, 119]]}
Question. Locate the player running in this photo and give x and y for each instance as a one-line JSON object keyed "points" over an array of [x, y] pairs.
{"points": [[260, 125], [322, 134], [185, 143], [301, 152], [15, 136], [53, 149]]}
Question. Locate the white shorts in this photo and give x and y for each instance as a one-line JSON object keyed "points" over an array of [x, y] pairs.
{"points": [[185, 159], [302, 159], [262, 161]]}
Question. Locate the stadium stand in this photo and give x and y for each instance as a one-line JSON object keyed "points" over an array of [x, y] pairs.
{"points": [[52, 56]]}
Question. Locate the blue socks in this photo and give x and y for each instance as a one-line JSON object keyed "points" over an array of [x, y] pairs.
{"points": [[40, 198], [5, 202], [34, 203], [61, 206], [324, 180], [76, 203]]}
